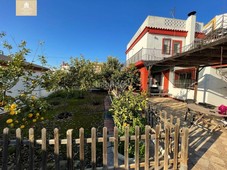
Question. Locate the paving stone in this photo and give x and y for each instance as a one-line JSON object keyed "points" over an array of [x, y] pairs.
{"points": [[203, 162], [207, 151], [214, 166], [214, 150], [217, 160]]}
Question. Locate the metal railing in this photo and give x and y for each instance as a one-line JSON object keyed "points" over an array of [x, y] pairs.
{"points": [[147, 54]]}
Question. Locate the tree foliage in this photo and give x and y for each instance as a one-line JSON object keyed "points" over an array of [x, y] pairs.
{"points": [[128, 110], [24, 108], [115, 76]]}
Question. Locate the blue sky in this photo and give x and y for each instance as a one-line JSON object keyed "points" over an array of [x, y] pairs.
{"points": [[93, 28]]}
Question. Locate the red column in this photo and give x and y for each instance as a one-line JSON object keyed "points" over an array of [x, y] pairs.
{"points": [[143, 75], [144, 78], [166, 80]]}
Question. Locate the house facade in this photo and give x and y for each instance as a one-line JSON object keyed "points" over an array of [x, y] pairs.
{"points": [[159, 38], [19, 87]]}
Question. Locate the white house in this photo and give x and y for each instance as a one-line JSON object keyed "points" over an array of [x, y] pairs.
{"points": [[19, 87], [160, 39]]}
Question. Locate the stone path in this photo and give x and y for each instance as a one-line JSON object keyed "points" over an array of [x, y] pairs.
{"points": [[109, 123], [108, 120], [207, 151]]}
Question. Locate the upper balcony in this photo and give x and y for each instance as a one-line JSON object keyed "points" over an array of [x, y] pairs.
{"points": [[146, 54], [215, 30]]}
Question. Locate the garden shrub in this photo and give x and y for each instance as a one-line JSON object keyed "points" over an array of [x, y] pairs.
{"points": [[25, 110], [128, 110]]}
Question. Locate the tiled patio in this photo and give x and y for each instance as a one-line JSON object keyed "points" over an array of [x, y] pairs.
{"points": [[207, 151]]}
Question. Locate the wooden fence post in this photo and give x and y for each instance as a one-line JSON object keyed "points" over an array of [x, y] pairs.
{"points": [[69, 149], [147, 145], [176, 145], [115, 147], [156, 159], [56, 149], [18, 149], [81, 135], [5, 148], [105, 148], [184, 150], [93, 148], [31, 148], [126, 147], [44, 149], [137, 153], [166, 154]]}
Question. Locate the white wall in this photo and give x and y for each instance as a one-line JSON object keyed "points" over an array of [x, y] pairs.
{"points": [[216, 88], [212, 88], [139, 45], [155, 42], [19, 87], [179, 93]]}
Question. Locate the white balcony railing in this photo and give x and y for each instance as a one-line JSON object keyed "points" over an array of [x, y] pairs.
{"points": [[147, 54]]}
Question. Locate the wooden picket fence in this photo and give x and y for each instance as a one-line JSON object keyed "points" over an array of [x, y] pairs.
{"points": [[175, 148]]}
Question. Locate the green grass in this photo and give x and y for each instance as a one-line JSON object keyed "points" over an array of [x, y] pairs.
{"points": [[86, 112]]}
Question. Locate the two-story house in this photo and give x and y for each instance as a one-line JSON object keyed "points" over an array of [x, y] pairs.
{"points": [[160, 38]]}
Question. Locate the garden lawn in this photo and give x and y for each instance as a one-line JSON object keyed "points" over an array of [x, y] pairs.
{"points": [[86, 112]]}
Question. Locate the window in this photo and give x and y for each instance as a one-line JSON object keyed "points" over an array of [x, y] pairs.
{"points": [[185, 78], [166, 45], [177, 46]]}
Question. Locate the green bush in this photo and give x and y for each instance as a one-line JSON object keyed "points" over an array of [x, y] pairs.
{"points": [[128, 110]]}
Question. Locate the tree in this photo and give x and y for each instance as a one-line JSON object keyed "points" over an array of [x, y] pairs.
{"points": [[82, 73], [111, 67], [25, 108], [115, 76], [80, 76]]}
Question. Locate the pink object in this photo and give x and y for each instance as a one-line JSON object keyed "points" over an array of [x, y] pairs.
{"points": [[222, 109]]}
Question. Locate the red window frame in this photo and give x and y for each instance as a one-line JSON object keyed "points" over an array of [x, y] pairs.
{"points": [[184, 71], [169, 51], [178, 41]]}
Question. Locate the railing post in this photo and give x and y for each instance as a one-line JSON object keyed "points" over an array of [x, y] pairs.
{"points": [[5, 148], [44, 149], [81, 135], [156, 158], [18, 149], [147, 145], [184, 150], [137, 135], [176, 145], [104, 148], [93, 148], [115, 147], [166, 154], [56, 149], [126, 147], [69, 149], [31, 148]]}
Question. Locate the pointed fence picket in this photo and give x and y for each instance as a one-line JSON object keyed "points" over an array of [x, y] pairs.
{"points": [[174, 143]]}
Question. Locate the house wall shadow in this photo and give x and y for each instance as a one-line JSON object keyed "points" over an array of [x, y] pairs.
{"points": [[209, 84]]}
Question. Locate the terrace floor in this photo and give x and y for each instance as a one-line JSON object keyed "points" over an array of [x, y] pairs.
{"points": [[207, 151]]}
